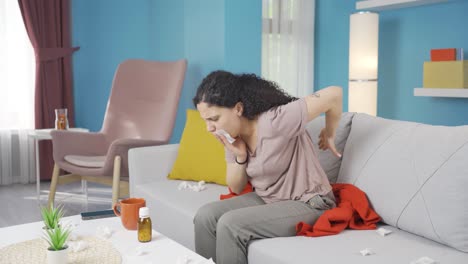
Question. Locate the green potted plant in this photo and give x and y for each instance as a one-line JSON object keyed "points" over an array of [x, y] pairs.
{"points": [[56, 235], [57, 238], [51, 216]]}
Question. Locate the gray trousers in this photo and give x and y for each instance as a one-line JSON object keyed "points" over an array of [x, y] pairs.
{"points": [[223, 229]]}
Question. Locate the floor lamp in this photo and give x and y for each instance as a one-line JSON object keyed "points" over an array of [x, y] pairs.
{"points": [[363, 61]]}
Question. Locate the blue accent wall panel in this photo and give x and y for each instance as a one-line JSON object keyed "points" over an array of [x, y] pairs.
{"points": [[108, 32], [406, 37], [243, 36], [332, 44], [166, 31], [203, 47], [226, 34], [168, 36]]}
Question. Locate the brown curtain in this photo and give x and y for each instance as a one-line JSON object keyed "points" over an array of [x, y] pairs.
{"points": [[48, 25]]}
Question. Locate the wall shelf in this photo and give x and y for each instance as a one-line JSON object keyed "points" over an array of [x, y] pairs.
{"points": [[381, 5], [442, 92]]}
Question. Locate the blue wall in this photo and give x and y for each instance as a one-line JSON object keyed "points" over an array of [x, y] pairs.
{"points": [[108, 32], [210, 34], [406, 38], [203, 48], [243, 37], [216, 34], [331, 44]]}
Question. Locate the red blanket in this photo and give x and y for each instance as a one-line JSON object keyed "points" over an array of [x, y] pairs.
{"points": [[248, 188], [353, 211]]}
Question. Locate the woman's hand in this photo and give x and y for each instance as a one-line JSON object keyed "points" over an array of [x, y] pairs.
{"points": [[327, 141], [238, 147]]}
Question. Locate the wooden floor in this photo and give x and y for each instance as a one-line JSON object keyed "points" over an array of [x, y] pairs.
{"points": [[19, 204]]}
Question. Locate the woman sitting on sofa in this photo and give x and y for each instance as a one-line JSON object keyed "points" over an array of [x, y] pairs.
{"points": [[273, 151]]}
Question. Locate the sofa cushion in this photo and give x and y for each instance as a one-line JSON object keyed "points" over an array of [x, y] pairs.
{"points": [[398, 247], [329, 162], [200, 156], [415, 175], [86, 161]]}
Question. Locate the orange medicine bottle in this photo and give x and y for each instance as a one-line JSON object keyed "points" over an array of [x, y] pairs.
{"points": [[144, 225]]}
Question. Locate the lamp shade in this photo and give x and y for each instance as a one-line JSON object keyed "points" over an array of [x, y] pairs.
{"points": [[363, 45], [363, 97], [363, 61]]}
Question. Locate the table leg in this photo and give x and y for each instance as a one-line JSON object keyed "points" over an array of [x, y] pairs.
{"points": [[84, 188], [38, 172]]}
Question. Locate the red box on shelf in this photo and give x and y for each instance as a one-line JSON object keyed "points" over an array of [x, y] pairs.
{"points": [[444, 54]]}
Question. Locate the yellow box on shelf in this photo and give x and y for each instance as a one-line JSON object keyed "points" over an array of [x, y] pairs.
{"points": [[445, 74]]}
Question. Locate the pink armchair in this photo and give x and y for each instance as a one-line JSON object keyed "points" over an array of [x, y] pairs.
{"points": [[141, 111]]}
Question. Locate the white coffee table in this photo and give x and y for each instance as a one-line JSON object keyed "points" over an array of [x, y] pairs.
{"points": [[44, 134], [160, 250]]}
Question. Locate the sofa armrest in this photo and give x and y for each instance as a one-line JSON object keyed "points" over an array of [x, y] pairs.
{"points": [[150, 164]]}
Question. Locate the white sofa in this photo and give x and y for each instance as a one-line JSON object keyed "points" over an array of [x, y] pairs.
{"points": [[415, 175]]}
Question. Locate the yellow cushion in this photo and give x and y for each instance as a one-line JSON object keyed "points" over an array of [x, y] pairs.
{"points": [[201, 155]]}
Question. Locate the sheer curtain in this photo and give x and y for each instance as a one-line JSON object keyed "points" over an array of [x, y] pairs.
{"points": [[288, 44], [17, 74]]}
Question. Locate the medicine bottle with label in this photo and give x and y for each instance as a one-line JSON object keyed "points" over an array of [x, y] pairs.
{"points": [[144, 225]]}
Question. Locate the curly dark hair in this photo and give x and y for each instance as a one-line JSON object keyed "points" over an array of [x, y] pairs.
{"points": [[222, 88]]}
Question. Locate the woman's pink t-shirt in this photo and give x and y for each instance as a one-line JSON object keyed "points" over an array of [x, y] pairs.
{"points": [[284, 166]]}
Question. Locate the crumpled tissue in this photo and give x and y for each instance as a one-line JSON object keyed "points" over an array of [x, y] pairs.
{"points": [[424, 260], [383, 232], [78, 245], [194, 187], [139, 251], [70, 224], [103, 232], [137, 255], [367, 252], [72, 236], [187, 260]]}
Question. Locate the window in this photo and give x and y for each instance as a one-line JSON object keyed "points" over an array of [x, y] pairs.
{"points": [[288, 44], [17, 70]]}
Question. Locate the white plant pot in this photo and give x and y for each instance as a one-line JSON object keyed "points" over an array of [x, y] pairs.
{"points": [[57, 257]]}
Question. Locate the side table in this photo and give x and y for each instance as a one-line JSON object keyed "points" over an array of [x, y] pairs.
{"points": [[44, 134]]}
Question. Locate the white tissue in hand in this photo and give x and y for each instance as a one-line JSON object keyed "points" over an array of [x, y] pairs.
{"points": [[366, 252], [221, 132], [103, 232], [424, 260], [78, 245], [383, 232]]}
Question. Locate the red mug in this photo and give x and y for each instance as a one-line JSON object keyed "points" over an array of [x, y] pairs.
{"points": [[129, 210]]}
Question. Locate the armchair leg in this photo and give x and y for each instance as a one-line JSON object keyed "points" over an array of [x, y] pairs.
{"points": [[53, 185], [116, 180]]}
